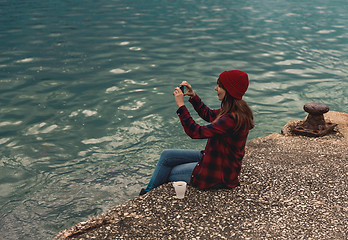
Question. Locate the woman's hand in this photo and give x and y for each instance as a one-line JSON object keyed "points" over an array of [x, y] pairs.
{"points": [[189, 91], [179, 97]]}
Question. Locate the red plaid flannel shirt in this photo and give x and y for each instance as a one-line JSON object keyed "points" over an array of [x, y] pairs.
{"points": [[223, 154]]}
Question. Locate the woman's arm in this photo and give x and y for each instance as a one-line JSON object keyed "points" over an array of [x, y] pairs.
{"points": [[203, 111], [225, 125]]}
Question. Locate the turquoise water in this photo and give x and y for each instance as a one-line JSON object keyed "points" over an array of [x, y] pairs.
{"points": [[86, 90]]}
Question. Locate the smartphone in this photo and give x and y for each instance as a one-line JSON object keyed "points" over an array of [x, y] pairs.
{"points": [[182, 88]]}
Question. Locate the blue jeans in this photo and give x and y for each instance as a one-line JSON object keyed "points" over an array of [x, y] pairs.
{"points": [[174, 165]]}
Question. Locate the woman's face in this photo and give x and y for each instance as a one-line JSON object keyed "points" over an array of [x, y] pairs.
{"points": [[220, 92]]}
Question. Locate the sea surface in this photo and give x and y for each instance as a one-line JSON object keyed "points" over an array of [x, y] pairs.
{"points": [[86, 103]]}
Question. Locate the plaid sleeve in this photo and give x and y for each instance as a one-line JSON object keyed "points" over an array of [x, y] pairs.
{"points": [[223, 126], [203, 111]]}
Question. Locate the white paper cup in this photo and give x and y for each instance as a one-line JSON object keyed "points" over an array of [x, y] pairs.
{"points": [[180, 189]]}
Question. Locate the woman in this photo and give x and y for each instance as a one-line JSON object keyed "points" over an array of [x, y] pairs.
{"points": [[219, 165]]}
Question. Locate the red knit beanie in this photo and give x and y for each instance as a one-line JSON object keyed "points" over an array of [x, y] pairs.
{"points": [[235, 82]]}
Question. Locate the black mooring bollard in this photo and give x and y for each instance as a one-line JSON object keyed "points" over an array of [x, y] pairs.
{"points": [[314, 125]]}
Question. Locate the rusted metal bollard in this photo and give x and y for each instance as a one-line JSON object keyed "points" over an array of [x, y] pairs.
{"points": [[314, 125]]}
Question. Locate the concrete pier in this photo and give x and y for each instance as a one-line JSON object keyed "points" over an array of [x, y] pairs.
{"points": [[292, 187]]}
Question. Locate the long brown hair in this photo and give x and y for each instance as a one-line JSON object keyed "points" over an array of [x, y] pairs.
{"points": [[244, 114]]}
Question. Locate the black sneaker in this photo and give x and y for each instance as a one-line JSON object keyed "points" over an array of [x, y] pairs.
{"points": [[142, 192]]}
